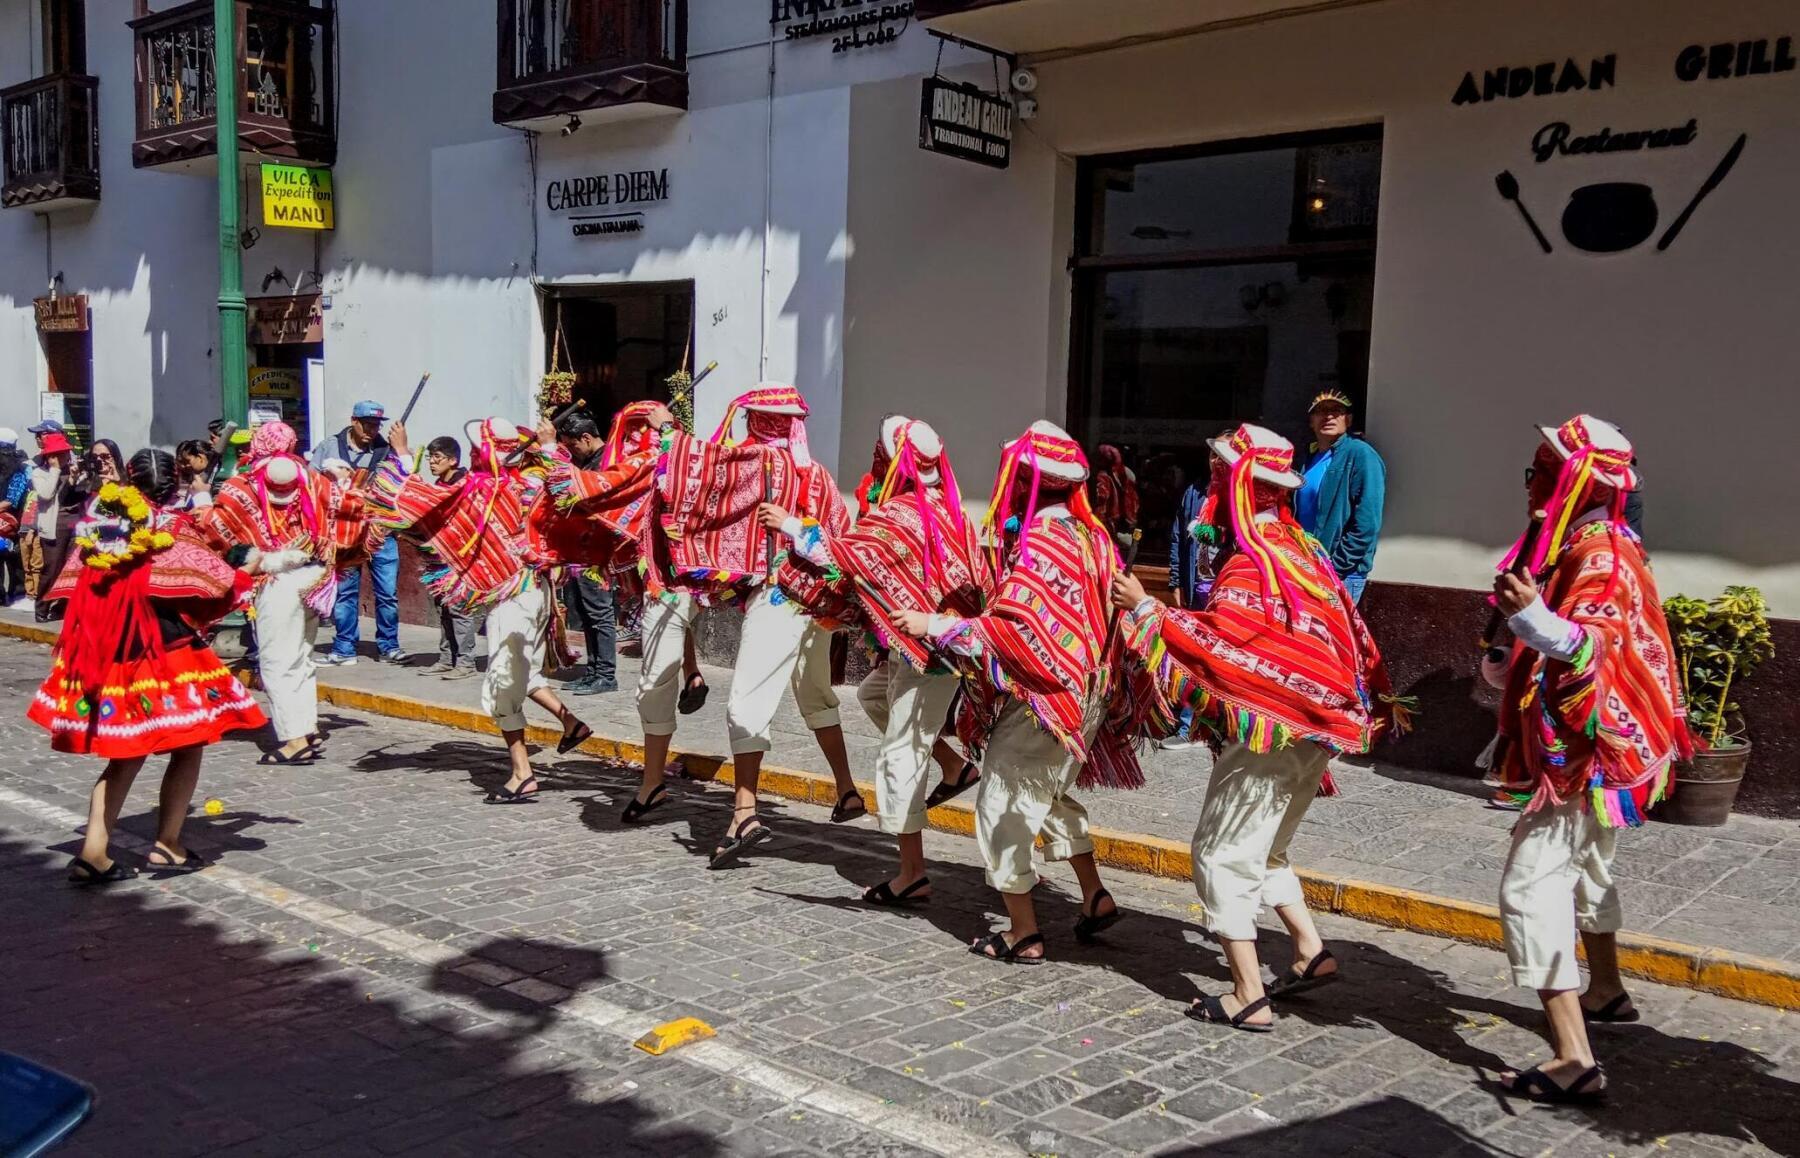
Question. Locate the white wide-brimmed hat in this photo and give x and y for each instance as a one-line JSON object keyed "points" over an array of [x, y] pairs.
{"points": [[505, 435], [1271, 454], [1605, 443], [773, 398], [281, 480], [924, 440], [1056, 455]]}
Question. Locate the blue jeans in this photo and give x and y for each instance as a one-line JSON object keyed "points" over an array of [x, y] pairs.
{"points": [[384, 569], [1353, 586]]}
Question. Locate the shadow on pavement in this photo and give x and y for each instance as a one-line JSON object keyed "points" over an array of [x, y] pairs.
{"points": [[201, 1038], [1390, 1125]]}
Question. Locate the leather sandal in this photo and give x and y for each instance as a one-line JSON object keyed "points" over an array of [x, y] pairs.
{"points": [[1300, 980], [743, 838], [850, 807], [993, 947], [1090, 926], [86, 875], [1609, 1014], [1537, 1086], [636, 810], [884, 896], [505, 795], [1212, 1011], [944, 790]]}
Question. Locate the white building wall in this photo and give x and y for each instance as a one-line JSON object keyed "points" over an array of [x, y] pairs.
{"points": [[899, 279]]}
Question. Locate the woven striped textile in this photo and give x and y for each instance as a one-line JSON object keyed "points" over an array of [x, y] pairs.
{"points": [[474, 533], [800, 579], [1049, 639], [1255, 673], [884, 560], [594, 519], [707, 539], [1606, 725]]}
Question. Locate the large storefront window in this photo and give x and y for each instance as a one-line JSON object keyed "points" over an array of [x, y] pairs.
{"points": [[1218, 286]]}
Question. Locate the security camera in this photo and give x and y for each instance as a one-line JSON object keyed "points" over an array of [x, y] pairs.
{"points": [[1027, 109], [573, 127], [1024, 80]]}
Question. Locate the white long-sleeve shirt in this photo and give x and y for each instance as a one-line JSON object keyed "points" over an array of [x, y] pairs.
{"points": [[47, 482]]}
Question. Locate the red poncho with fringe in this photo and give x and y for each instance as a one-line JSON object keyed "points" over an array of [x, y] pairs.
{"points": [[1255, 671], [1608, 723], [707, 540], [594, 519], [1050, 640], [474, 533], [891, 561]]}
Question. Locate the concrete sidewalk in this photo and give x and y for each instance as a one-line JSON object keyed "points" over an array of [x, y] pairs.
{"points": [[1714, 908]]}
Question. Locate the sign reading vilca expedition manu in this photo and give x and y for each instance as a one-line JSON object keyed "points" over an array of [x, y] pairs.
{"points": [[962, 120], [850, 24], [297, 197], [607, 191]]}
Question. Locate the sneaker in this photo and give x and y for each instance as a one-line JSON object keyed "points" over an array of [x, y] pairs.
{"points": [[1176, 744], [395, 656], [336, 660], [595, 687], [439, 668], [459, 673], [583, 686]]}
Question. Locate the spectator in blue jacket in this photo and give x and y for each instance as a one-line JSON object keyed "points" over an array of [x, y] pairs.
{"points": [[1190, 560], [1345, 487]]}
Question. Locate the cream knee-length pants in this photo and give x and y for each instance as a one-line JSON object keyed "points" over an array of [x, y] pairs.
{"points": [[908, 710], [779, 648], [664, 631], [1558, 879], [1253, 805], [515, 633], [1026, 783]]}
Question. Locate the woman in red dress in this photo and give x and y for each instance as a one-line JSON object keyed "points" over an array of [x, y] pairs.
{"points": [[131, 676]]}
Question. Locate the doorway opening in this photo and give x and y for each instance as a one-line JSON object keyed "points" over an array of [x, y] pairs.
{"points": [[1217, 285], [621, 340]]}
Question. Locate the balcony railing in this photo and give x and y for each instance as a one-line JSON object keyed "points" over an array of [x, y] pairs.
{"points": [[560, 58], [286, 82], [51, 141]]}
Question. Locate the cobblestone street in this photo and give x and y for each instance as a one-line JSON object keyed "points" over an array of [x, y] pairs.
{"points": [[380, 964]]}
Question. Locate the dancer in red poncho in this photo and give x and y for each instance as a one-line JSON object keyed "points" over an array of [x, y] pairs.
{"points": [[292, 520], [1590, 722], [130, 676], [476, 537], [1047, 701], [706, 546], [914, 548], [1282, 673]]}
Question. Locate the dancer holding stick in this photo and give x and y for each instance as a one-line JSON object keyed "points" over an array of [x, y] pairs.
{"points": [[1592, 718]]}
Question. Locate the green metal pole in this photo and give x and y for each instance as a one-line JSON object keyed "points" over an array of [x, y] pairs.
{"points": [[234, 386]]}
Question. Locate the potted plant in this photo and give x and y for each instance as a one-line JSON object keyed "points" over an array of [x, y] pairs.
{"points": [[1717, 646]]}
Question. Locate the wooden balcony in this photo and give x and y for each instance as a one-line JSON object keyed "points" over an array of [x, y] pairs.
{"points": [[286, 84], [51, 142], [597, 60]]}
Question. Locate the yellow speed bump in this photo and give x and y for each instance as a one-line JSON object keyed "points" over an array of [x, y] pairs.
{"points": [[670, 1034]]}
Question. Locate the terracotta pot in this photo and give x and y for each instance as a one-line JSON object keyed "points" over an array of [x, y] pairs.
{"points": [[1706, 787]]}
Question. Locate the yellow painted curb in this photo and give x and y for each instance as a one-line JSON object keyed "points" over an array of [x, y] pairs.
{"points": [[1715, 970]]}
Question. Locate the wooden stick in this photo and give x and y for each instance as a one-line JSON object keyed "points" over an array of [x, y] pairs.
{"points": [[414, 400], [531, 440], [1496, 618]]}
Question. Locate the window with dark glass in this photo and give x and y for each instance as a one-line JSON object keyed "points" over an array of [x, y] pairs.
{"points": [[1217, 285]]}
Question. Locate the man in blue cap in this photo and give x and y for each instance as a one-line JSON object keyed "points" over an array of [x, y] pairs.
{"points": [[361, 445]]}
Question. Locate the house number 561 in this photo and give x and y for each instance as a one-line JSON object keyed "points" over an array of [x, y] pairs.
{"points": [[719, 315]]}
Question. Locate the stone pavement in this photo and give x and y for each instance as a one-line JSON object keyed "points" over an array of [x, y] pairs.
{"points": [[380, 964], [1736, 887]]}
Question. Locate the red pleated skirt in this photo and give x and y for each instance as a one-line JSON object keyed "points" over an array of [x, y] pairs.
{"points": [[183, 697]]}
